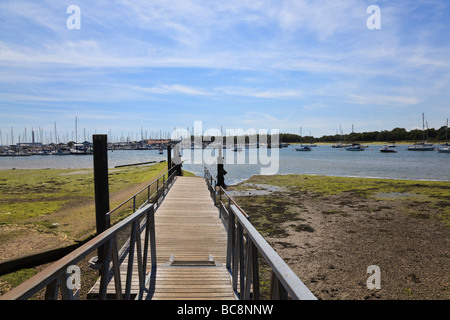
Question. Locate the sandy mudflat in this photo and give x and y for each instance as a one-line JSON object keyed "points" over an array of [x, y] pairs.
{"points": [[330, 240]]}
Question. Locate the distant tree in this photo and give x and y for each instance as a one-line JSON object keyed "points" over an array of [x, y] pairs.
{"points": [[442, 134], [431, 133], [398, 134], [415, 134], [383, 135]]}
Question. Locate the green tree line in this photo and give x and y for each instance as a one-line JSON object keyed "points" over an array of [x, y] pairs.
{"points": [[396, 134]]}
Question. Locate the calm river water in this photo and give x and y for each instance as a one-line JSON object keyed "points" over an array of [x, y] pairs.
{"points": [[322, 160]]}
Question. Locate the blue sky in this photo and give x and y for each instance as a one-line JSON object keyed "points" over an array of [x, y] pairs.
{"points": [[160, 65]]}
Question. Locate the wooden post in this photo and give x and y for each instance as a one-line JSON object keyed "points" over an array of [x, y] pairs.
{"points": [[177, 155], [169, 158], [101, 185], [220, 170]]}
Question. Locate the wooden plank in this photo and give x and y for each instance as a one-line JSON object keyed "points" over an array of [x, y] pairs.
{"points": [[193, 283]]}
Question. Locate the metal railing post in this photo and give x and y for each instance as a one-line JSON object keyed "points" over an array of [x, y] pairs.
{"points": [[157, 190], [116, 268], [230, 240], [255, 272], [130, 261], [104, 271], [241, 259], [152, 237]]}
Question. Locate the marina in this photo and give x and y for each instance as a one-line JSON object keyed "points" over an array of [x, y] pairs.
{"points": [[321, 160], [327, 161]]}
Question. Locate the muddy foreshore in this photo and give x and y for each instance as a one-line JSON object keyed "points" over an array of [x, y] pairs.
{"points": [[330, 231]]}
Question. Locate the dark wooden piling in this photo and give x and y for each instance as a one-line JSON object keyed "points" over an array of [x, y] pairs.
{"points": [[220, 170], [101, 184], [169, 157]]}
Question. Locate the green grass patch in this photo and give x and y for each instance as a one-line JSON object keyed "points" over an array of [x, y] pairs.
{"points": [[16, 278], [327, 185], [30, 193], [433, 193], [17, 212]]}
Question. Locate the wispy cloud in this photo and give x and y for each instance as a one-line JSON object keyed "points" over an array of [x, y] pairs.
{"points": [[375, 99], [299, 55], [175, 89], [261, 93]]}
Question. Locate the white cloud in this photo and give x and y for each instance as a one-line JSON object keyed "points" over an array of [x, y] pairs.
{"points": [[262, 93], [41, 16], [376, 99], [175, 89]]}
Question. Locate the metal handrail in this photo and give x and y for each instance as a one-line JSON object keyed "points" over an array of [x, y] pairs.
{"points": [[243, 244], [169, 173], [51, 277], [284, 281], [55, 277]]}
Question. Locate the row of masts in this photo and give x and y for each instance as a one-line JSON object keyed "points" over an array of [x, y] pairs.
{"points": [[52, 136], [39, 136]]}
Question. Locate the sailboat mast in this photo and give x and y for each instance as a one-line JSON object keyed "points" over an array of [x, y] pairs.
{"points": [[446, 132], [76, 130], [56, 135], [301, 139], [423, 126]]}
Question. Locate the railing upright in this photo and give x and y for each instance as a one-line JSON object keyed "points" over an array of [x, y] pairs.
{"points": [[244, 244]]}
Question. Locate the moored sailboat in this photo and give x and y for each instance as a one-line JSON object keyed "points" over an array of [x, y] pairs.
{"points": [[303, 148], [388, 149], [444, 148], [424, 145], [355, 147]]}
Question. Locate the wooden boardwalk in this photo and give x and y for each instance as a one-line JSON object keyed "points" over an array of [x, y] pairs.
{"points": [[191, 244]]}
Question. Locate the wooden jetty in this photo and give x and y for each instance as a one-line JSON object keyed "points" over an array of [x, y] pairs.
{"points": [[191, 248], [191, 245]]}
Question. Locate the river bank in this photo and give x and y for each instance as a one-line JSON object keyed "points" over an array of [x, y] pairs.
{"points": [[331, 229], [42, 209]]}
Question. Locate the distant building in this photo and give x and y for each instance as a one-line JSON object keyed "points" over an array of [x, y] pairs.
{"points": [[156, 141], [29, 145]]}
